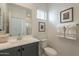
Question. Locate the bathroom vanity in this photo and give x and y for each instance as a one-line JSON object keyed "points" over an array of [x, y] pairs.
{"points": [[28, 47], [24, 50], [16, 20]]}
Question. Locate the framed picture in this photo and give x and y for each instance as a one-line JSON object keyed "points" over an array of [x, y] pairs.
{"points": [[66, 15], [41, 27]]}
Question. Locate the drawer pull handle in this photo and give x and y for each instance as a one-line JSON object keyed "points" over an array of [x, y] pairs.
{"points": [[23, 49], [19, 50]]}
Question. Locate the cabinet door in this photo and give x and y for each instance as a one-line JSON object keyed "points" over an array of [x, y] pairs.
{"points": [[11, 52], [30, 49]]}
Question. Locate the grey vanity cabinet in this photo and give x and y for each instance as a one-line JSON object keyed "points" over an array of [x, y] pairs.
{"points": [[11, 52], [30, 49], [24, 50]]}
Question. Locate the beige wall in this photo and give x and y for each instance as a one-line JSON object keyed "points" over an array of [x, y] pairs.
{"points": [[63, 46]]}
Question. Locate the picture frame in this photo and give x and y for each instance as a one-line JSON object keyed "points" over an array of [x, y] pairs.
{"points": [[41, 27], [66, 15]]}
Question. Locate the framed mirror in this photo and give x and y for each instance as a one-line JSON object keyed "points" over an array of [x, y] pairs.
{"points": [[2, 20], [20, 20]]}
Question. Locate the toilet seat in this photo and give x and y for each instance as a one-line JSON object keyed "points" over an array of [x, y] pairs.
{"points": [[50, 51]]}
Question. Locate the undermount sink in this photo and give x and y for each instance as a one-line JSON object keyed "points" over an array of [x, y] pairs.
{"points": [[4, 38]]}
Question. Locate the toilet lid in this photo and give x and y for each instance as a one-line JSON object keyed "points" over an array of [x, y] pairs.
{"points": [[50, 51]]}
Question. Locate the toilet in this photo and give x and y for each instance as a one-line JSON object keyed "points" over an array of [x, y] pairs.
{"points": [[46, 50]]}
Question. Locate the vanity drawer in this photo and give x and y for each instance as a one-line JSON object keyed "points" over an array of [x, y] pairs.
{"points": [[11, 52]]}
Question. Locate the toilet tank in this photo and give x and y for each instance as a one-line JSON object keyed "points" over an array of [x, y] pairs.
{"points": [[43, 43]]}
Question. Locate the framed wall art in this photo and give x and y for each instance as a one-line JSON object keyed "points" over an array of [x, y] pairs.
{"points": [[41, 27], [66, 15]]}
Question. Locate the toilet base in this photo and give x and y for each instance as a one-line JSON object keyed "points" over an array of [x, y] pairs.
{"points": [[43, 54], [50, 51]]}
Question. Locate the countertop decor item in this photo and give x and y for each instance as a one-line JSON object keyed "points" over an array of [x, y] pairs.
{"points": [[66, 15], [4, 38]]}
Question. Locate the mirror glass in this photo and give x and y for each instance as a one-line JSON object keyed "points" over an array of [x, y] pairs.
{"points": [[1, 20], [20, 20]]}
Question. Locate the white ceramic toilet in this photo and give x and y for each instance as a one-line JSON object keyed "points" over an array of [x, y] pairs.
{"points": [[46, 50]]}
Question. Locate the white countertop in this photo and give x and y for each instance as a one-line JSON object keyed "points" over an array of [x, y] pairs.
{"points": [[13, 42]]}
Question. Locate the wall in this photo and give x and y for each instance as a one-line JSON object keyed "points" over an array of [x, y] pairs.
{"points": [[35, 33], [63, 46]]}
